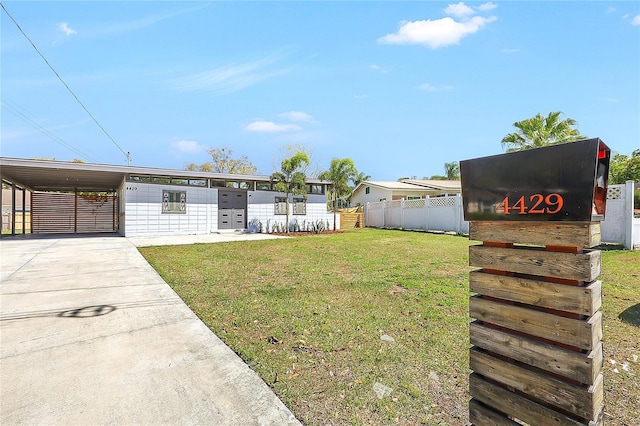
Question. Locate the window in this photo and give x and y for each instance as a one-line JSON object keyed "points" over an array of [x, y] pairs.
{"points": [[367, 190], [263, 186], [411, 197], [139, 178], [299, 205], [280, 206], [198, 182], [315, 189], [174, 201], [217, 183], [160, 179], [179, 181]]}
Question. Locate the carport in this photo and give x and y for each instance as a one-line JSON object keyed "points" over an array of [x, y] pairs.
{"points": [[65, 197]]}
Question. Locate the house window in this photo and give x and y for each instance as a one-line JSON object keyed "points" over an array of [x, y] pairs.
{"points": [[315, 189], [367, 190], [299, 206], [174, 201], [412, 197], [263, 186], [280, 206]]}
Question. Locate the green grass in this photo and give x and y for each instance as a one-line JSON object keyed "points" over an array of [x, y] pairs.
{"points": [[307, 315]]}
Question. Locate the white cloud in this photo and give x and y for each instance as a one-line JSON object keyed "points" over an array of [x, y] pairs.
{"points": [[378, 68], [188, 147], [611, 10], [459, 10], [487, 6], [436, 33], [228, 79], [271, 127], [430, 88], [65, 28], [507, 50], [635, 21], [296, 116]]}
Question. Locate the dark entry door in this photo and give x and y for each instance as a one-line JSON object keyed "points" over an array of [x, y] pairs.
{"points": [[232, 208]]}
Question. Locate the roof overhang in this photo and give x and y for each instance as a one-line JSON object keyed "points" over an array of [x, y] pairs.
{"points": [[46, 175]]}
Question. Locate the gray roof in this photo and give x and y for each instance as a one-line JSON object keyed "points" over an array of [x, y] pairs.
{"points": [[47, 175]]}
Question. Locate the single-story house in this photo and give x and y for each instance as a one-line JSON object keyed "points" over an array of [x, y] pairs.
{"points": [[405, 189], [132, 201]]}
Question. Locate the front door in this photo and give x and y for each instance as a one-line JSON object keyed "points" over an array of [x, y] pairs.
{"points": [[232, 208]]}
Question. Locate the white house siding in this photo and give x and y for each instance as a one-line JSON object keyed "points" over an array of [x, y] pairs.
{"points": [[261, 208], [143, 214]]}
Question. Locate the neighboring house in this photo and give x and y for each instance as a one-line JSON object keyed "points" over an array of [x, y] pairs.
{"points": [[406, 189], [139, 201]]}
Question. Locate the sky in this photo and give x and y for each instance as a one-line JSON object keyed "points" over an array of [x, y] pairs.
{"points": [[399, 87]]}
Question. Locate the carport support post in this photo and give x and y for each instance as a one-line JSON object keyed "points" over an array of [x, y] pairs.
{"points": [[24, 211], [13, 209]]}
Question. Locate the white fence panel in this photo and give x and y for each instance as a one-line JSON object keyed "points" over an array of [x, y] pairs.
{"points": [[619, 225], [431, 213]]}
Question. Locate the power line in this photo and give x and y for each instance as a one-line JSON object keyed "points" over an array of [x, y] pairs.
{"points": [[40, 126], [127, 154]]}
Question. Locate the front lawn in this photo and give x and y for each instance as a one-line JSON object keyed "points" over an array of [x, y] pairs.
{"points": [[331, 321]]}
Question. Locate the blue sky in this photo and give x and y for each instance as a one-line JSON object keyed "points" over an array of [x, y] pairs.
{"points": [[399, 87]]}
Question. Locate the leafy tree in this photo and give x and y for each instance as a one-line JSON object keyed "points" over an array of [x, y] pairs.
{"points": [[291, 179], [223, 162], [339, 174], [623, 168], [360, 177], [539, 131], [452, 170]]}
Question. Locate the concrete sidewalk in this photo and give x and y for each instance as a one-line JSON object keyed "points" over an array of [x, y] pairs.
{"points": [[91, 334]]}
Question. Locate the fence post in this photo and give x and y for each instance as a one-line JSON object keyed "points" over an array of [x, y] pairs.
{"points": [[427, 206], [402, 213], [458, 207], [628, 215]]}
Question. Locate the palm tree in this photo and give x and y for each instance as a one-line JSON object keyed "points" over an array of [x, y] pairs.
{"points": [[360, 177], [539, 131], [339, 174], [291, 180]]}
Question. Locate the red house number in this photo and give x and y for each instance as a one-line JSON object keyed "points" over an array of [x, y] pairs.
{"points": [[538, 204]]}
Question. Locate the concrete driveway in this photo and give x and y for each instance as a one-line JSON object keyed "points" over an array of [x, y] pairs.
{"points": [[91, 334]]}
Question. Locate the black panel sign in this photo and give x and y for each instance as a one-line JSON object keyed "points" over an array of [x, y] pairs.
{"points": [[564, 182]]}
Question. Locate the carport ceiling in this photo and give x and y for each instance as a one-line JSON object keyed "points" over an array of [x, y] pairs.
{"points": [[41, 175]]}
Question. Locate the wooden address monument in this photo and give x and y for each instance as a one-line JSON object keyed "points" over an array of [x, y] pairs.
{"points": [[537, 336]]}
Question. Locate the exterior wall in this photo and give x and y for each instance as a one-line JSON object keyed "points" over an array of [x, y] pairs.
{"points": [[143, 210], [261, 209]]}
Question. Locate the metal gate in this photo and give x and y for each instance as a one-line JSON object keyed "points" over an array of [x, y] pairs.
{"points": [[232, 208], [56, 213]]}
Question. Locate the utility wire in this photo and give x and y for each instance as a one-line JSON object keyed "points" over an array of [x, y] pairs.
{"points": [[127, 155], [40, 126]]}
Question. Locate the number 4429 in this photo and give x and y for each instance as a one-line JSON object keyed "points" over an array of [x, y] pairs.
{"points": [[534, 204]]}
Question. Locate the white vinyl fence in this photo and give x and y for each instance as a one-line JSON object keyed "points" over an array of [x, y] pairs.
{"points": [[446, 214], [620, 225], [428, 214]]}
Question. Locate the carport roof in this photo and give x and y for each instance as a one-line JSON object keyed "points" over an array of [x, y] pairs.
{"points": [[47, 175]]}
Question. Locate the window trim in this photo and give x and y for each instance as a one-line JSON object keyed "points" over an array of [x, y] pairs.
{"points": [[280, 206], [170, 206]]}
